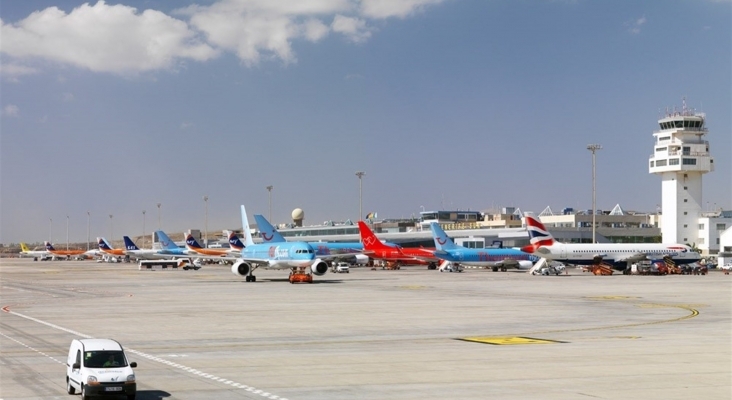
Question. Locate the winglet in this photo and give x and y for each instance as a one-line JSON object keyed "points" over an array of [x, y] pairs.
{"points": [[245, 227], [442, 241], [267, 232]]}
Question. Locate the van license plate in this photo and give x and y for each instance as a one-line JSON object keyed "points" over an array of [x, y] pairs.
{"points": [[113, 389]]}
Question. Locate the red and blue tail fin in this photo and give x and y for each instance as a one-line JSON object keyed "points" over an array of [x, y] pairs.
{"points": [[538, 234], [49, 246]]}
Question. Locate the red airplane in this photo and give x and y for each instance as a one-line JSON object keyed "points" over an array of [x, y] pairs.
{"points": [[374, 248]]}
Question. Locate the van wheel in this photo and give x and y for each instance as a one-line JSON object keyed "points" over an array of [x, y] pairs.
{"points": [[131, 397], [69, 389], [84, 396]]}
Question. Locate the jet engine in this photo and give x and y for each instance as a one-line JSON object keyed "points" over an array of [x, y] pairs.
{"points": [[241, 267], [525, 264], [319, 267]]}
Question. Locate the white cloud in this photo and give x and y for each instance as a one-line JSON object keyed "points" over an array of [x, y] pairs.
{"points": [[120, 39], [354, 28], [11, 110], [12, 72], [394, 8], [104, 38], [635, 26]]}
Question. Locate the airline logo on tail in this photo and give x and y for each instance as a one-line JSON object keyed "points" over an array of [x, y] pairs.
{"points": [[49, 246], [442, 241], [24, 248], [191, 242], [103, 245], [538, 235], [129, 244], [234, 241], [369, 239]]}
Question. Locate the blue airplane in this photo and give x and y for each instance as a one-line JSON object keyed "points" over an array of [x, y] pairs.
{"points": [[168, 246], [347, 251], [298, 257], [496, 259]]}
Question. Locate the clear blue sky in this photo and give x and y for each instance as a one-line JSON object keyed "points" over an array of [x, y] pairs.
{"points": [[114, 107]]}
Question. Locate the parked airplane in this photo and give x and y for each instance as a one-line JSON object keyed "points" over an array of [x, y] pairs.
{"points": [[619, 255], [168, 246], [107, 248], [26, 252], [298, 257], [236, 247], [496, 258], [378, 250], [132, 250], [63, 253], [346, 251]]}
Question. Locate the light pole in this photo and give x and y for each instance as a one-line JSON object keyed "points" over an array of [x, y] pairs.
{"points": [[67, 233], [111, 228], [50, 229], [159, 204], [143, 229], [205, 225], [593, 148], [88, 231], [269, 189], [360, 175]]}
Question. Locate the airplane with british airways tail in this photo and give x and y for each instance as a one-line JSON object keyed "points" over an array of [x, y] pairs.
{"points": [[299, 257], [495, 258], [619, 255], [345, 251]]}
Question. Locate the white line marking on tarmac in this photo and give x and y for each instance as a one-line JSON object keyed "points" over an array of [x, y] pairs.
{"points": [[144, 355], [29, 347]]}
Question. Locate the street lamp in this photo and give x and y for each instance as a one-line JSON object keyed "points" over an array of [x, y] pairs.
{"points": [[205, 226], [67, 233], [50, 228], [111, 228], [88, 218], [143, 229], [159, 204], [360, 175], [593, 148], [269, 189]]}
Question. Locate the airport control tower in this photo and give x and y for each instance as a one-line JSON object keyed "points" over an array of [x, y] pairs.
{"points": [[681, 157]]}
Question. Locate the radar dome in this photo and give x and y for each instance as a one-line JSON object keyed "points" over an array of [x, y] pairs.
{"points": [[298, 214]]}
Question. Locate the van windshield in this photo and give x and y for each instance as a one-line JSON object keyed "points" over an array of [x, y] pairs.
{"points": [[104, 359]]}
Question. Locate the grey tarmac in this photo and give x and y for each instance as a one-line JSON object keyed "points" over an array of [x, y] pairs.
{"points": [[411, 333]]}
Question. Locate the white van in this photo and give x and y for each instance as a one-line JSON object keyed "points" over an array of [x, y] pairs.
{"points": [[99, 367]]}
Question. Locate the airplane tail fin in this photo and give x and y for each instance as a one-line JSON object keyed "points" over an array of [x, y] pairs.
{"points": [[234, 241], [368, 237], [248, 241], [442, 241], [192, 243], [23, 247], [165, 241], [129, 244], [103, 244], [268, 232], [49, 246], [538, 234]]}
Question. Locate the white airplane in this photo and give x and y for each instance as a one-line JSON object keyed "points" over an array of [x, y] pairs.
{"points": [[618, 255], [26, 252]]}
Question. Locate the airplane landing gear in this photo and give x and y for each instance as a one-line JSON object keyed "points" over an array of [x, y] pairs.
{"points": [[251, 278]]}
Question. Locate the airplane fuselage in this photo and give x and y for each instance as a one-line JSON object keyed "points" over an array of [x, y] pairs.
{"points": [[281, 255], [618, 254], [484, 257]]}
